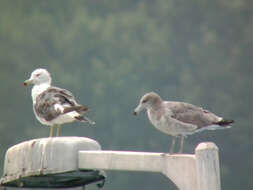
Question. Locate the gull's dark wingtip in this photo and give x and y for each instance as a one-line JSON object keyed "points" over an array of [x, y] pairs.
{"points": [[85, 120], [225, 122]]}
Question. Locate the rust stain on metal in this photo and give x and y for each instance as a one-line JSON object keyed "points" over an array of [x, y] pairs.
{"points": [[20, 183], [33, 143]]}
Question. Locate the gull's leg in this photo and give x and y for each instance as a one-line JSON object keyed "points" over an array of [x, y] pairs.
{"points": [[181, 144], [51, 131], [58, 130], [173, 144]]}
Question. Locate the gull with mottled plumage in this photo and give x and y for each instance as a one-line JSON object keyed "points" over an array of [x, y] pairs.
{"points": [[54, 106], [179, 119]]}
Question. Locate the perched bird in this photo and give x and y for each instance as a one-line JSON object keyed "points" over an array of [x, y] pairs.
{"points": [[54, 106], [179, 118]]}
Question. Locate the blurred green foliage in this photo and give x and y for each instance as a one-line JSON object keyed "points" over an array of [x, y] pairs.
{"points": [[109, 53]]}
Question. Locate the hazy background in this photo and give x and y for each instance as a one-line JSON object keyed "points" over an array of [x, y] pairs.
{"points": [[109, 53]]}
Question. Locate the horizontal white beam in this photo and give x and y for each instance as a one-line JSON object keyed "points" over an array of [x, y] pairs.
{"points": [[121, 160], [180, 168], [199, 171]]}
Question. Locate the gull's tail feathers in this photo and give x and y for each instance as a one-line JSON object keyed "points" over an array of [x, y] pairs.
{"points": [[222, 124]]}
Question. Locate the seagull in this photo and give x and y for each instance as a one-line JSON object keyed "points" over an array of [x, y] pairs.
{"points": [[179, 119], [54, 106]]}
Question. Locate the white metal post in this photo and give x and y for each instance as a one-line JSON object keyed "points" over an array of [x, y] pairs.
{"points": [[208, 169], [40, 157]]}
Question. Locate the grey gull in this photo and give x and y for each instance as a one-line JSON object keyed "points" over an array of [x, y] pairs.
{"points": [[54, 106], [179, 119]]}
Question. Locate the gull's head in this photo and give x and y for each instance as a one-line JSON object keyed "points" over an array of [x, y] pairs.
{"points": [[148, 101], [39, 76]]}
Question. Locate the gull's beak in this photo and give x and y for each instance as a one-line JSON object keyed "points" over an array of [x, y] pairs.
{"points": [[27, 82], [138, 109]]}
